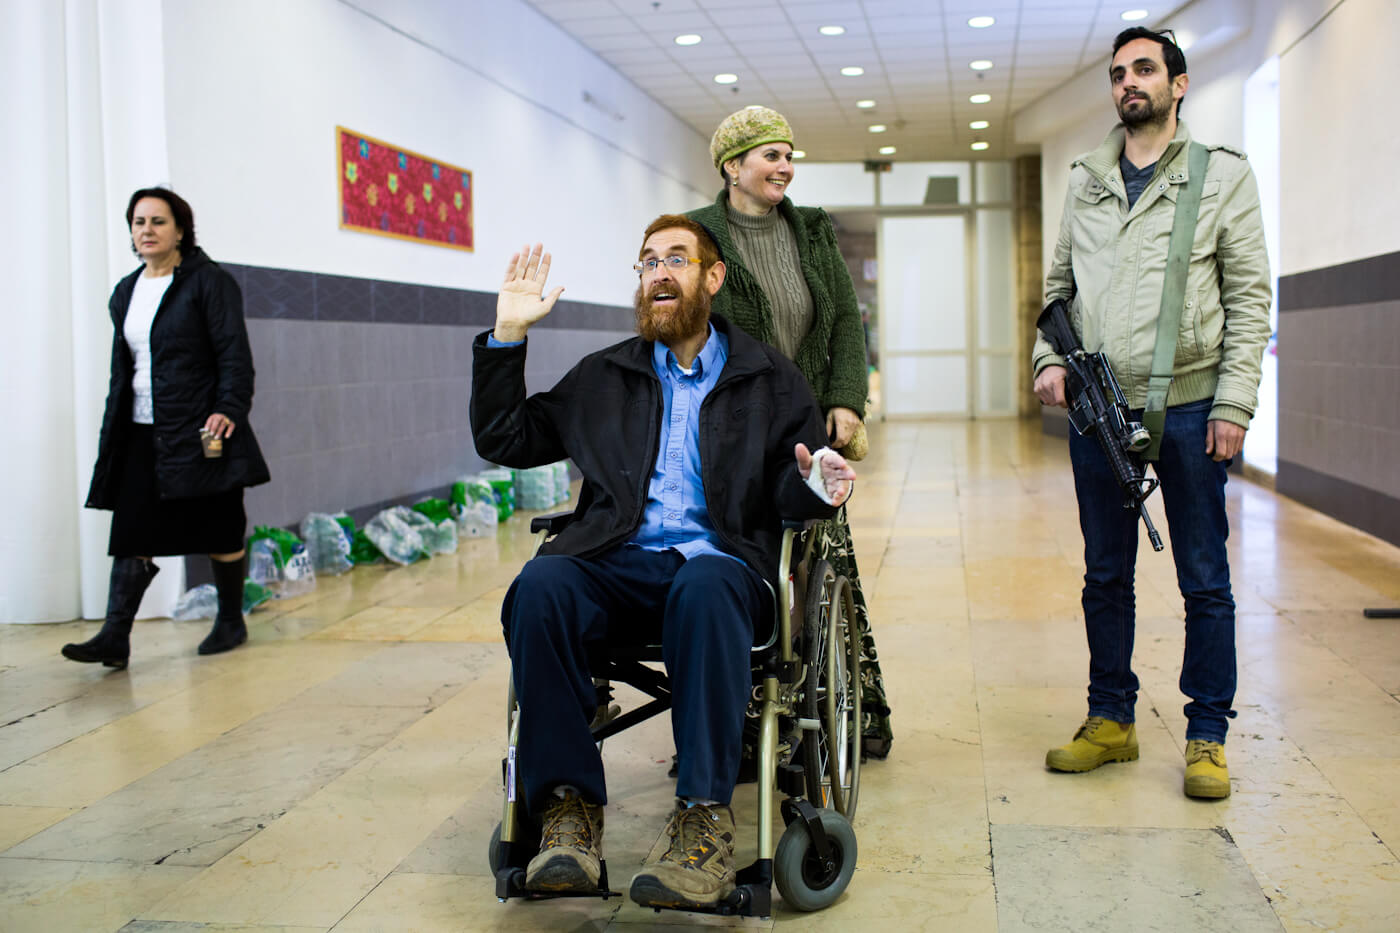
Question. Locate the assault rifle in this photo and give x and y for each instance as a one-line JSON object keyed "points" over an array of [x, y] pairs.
{"points": [[1097, 407]]}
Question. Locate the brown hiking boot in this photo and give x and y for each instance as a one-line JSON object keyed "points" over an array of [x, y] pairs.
{"points": [[571, 847], [697, 869]]}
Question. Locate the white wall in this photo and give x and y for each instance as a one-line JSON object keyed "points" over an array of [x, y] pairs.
{"points": [[93, 108], [1339, 140], [256, 89]]}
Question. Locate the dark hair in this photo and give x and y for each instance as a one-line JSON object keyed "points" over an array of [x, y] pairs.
{"points": [[709, 252], [1172, 56], [179, 209], [741, 157]]}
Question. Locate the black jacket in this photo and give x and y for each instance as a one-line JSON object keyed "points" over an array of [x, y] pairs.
{"points": [[200, 364], [605, 416]]}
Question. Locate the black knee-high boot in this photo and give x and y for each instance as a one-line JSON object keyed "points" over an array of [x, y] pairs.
{"points": [[229, 631], [112, 644]]}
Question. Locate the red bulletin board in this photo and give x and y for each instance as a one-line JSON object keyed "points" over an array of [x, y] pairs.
{"points": [[391, 191]]}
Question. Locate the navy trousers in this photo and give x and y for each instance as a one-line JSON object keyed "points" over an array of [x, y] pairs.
{"points": [[703, 609], [1193, 493]]}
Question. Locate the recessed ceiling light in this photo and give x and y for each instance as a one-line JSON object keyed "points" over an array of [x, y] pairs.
{"points": [[1132, 16], [853, 71], [981, 22], [878, 128], [689, 38], [799, 153], [980, 65], [978, 125], [975, 98], [865, 104], [887, 150], [979, 145], [726, 79], [832, 30]]}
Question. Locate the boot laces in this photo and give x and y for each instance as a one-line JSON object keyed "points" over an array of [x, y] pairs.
{"points": [[568, 823], [1091, 724], [694, 832], [1196, 749]]}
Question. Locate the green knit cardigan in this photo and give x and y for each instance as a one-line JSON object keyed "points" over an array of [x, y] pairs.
{"points": [[832, 355]]}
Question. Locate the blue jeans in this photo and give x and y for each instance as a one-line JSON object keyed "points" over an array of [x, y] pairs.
{"points": [[702, 610], [1193, 492]]}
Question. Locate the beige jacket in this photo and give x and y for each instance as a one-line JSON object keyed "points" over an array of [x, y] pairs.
{"points": [[1109, 263]]}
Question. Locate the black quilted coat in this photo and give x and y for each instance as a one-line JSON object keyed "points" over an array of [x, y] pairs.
{"points": [[200, 364]]}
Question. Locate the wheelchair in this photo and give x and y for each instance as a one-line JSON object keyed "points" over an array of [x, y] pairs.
{"points": [[806, 704]]}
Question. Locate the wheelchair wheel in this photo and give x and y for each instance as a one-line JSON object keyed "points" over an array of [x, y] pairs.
{"points": [[804, 879], [831, 694], [494, 855]]}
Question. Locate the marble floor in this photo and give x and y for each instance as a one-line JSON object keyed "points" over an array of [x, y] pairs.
{"points": [[342, 770]]}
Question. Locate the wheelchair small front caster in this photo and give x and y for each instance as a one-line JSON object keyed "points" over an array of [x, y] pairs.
{"points": [[807, 880]]}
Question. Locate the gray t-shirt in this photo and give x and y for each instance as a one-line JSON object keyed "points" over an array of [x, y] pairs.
{"points": [[1134, 179]]}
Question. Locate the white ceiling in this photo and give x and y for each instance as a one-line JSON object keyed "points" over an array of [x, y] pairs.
{"points": [[915, 54]]}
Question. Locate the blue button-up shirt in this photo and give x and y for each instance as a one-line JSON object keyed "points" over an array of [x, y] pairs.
{"points": [[676, 515]]}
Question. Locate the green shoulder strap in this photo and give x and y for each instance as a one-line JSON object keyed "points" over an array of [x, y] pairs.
{"points": [[1188, 205]]}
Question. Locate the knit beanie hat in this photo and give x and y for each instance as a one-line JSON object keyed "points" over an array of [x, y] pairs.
{"points": [[742, 130]]}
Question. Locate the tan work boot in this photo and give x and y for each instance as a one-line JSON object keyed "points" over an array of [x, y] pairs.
{"points": [[1207, 775], [571, 847], [1097, 742], [697, 869]]}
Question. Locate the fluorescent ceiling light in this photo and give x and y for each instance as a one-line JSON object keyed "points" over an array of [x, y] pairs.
{"points": [[878, 128], [981, 22], [865, 104], [978, 125], [979, 145], [832, 30], [753, 107], [689, 38], [853, 71], [799, 153], [980, 65], [726, 79], [975, 98], [1132, 16], [887, 150]]}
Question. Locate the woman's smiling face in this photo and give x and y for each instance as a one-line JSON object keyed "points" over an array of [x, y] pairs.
{"points": [[763, 174]]}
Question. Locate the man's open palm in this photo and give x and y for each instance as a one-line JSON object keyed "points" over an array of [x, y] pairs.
{"points": [[522, 302]]}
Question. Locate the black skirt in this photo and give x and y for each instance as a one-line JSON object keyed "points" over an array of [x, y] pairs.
{"points": [[145, 525]]}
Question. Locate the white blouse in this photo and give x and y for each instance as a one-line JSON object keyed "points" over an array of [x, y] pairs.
{"points": [[140, 312]]}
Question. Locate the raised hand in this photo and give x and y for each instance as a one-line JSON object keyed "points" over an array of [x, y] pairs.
{"points": [[522, 302]]}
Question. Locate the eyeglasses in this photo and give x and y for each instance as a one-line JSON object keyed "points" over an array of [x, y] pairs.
{"points": [[674, 263]]}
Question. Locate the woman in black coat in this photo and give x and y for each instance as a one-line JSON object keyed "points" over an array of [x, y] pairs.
{"points": [[176, 448]]}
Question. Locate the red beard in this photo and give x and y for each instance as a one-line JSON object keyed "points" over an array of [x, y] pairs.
{"points": [[688, 318]]}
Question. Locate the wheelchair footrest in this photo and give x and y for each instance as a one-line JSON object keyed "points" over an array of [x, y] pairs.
{"points": [[752, 895], [510, 882]]}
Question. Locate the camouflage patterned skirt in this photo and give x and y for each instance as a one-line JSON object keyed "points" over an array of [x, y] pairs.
{"points": [[833, 543]]}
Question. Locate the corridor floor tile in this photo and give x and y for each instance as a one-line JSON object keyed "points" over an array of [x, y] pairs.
{"points": [[45, 896], [1111, 879]]}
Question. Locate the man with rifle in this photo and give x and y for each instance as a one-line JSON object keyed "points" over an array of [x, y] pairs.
{"points": [[1161, 264]]}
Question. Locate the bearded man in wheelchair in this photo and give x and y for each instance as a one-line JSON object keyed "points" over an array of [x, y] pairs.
{"points": [[695, 441]]}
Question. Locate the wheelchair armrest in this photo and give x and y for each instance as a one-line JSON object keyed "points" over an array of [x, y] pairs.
{"points": [[553, 523]]}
